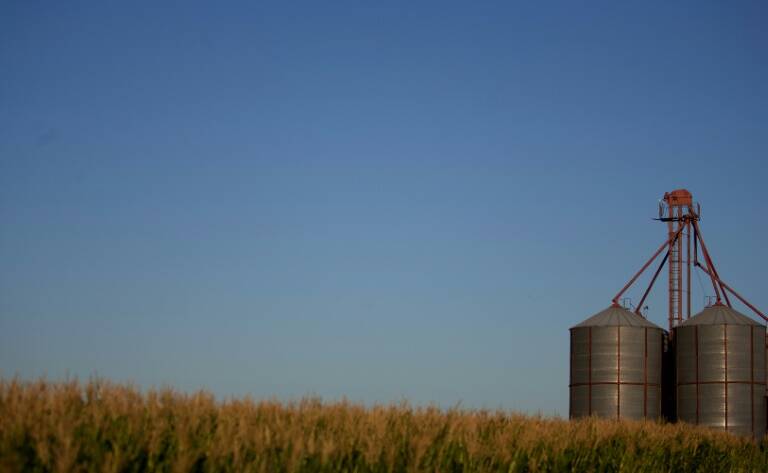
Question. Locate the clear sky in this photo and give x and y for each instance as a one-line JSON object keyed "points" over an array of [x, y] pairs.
{"points": [[374, 199]]}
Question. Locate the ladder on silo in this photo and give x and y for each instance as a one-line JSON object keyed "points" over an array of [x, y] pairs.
{"points": [[674, 283], [676, 225]]}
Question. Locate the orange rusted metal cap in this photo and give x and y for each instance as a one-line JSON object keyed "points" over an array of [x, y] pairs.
{"points": [[678, 197]]}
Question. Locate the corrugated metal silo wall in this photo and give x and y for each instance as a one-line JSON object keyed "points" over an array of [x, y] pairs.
{"points": [[721, 374], [616, 372]]}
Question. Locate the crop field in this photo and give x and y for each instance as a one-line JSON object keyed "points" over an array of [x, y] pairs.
{"points": [[101, 426]]}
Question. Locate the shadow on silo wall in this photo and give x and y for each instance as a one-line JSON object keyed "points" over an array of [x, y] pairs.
{"points": [[668, 384]]}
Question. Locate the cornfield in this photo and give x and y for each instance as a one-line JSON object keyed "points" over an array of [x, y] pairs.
{"points": [[101, 426]]}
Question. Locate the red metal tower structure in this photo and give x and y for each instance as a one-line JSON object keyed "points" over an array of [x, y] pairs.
{"points": [[677, 210], [681, 214]]}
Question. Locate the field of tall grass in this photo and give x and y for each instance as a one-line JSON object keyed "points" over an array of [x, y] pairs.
{"points": [[101, 426]]}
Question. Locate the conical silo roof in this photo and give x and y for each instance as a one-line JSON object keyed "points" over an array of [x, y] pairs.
{"points": [[719, 314], [615, 316]]}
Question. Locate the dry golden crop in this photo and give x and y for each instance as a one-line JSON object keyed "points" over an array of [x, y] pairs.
{"points": [[101, 426]]}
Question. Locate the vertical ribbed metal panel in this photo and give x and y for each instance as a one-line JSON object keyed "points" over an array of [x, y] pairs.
{"points": [[721, 369], [580, 388], [579, 405], [761, 410], [605, 400], [759, 380], [616, 372]]}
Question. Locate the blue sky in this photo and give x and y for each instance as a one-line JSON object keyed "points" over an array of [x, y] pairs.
{"points": [[376, 200]]}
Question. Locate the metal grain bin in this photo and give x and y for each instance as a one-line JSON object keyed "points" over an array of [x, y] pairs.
{"points": [[616, 366], [720, 359]]}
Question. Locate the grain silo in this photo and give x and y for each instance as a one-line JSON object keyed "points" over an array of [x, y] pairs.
{"points": [[720, 359], [709, 369], [616, 366]]}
